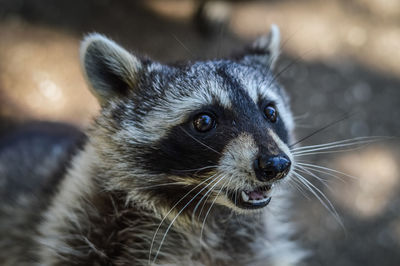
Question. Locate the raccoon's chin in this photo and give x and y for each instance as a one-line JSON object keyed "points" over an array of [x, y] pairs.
{"points": [[251, 199]]}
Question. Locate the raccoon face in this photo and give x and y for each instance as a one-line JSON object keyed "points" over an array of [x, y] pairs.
{"points": [[213, 131]]}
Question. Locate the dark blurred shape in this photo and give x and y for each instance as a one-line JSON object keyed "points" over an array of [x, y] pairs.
{"points": [[211, 17], [35, 147]]}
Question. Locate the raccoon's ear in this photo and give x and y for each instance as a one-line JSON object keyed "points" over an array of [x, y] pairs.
{"points": [[110, 69], [265, 50]]}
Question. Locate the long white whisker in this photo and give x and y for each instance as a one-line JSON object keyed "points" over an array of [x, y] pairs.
{"points": [[306, 171], [200, 142], [332, 146], [297, 186], [326, 152], [209, 209], [366, 138], [323, 172], [176, 204], [173, 220], [162, 185], [325, 168], [204, 204], [328, 205], [207, 193], [310, 188], [322, 180], [196, 169]]}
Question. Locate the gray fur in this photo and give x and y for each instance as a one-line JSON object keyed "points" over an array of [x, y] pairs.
{"points": [[114, 205]]}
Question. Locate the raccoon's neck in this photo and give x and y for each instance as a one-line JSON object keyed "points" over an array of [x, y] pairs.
{"points": [[88, 224]]}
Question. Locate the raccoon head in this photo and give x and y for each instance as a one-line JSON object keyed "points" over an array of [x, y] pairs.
{"points": [[211, 131]]}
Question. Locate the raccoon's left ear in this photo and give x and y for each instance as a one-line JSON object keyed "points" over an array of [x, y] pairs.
{"points": [[110, 69], [265, 50]]}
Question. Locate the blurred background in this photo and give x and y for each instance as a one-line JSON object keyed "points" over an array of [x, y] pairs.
{"points": [[338, 56]]}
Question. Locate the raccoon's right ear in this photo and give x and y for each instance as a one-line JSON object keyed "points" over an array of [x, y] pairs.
{"points": [[264, 50], [110, 69]]}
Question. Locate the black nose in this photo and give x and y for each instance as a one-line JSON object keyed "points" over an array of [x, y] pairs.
{"points": [[268, 168]]}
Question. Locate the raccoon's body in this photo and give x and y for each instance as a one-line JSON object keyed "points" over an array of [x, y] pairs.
{"points": [[176, 170]]}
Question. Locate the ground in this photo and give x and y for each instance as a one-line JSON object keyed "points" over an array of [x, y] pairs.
{"points": [[339, 57]]}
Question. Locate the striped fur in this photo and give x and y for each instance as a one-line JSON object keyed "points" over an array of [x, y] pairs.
{"points": [[146, 188]]}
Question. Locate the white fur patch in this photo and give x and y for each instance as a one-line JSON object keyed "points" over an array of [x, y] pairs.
{"points": [[237, 160], [282, 250]]}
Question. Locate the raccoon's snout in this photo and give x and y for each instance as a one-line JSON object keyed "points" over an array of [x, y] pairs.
{"points": [[268, 168]]}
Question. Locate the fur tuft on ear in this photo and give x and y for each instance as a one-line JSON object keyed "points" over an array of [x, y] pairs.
{"points": [[265, 50], [110, 69]]}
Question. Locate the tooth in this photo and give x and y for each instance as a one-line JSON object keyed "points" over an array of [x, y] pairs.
{"points": [[259, 201], [244, 196]]}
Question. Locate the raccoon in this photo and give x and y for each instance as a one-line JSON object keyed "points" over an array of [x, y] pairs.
{"points": [[185, 165]]}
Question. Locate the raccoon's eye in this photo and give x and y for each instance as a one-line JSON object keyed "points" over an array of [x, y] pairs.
{"points": [[270, 112], [203, 122]]}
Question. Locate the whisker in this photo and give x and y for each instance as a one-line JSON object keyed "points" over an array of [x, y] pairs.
{"points": [[195, 169], [325, 173], [338, 142], [176, 204], [306, 171], [198, 203], [203, 205], [289, 38], [322, 172], [198, 141], [297, 186], [326, 152], [344, 117], [288, 66], [209, 209], [161, 185], [325, 168], [323, 181], [355, 143], [173, 220], [327, 149], [184, 46], [315, 191]]}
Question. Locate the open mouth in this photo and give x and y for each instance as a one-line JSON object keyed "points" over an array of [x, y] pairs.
{"points": [[251, 199]]}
